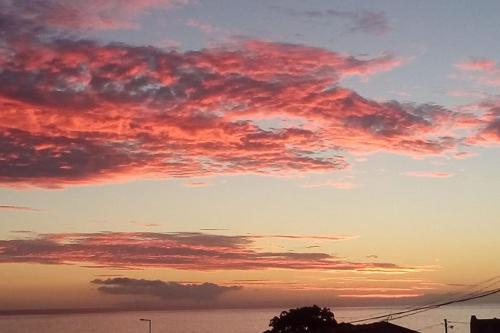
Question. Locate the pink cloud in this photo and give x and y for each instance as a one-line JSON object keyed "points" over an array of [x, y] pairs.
{"points": [[81, 112], [464, 154], [181, 250], [199, 135], [477, 64], [482, 71], [491, 133], [488, 122]]}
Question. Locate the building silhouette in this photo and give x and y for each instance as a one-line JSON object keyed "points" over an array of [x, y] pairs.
{"points": [[379, 327], [484, 325]]}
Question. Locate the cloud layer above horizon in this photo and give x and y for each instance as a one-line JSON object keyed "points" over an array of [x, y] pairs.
{"points": [[176, 250], [78, 111]]}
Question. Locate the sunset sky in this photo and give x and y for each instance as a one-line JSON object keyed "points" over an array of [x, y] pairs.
{"points": [[230, 153]]}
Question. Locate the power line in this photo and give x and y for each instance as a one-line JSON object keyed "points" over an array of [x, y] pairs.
{"points": [[467, 290], [406, 313]]}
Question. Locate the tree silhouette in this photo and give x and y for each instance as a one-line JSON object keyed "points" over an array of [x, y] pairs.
{"points": [[309, 319]]}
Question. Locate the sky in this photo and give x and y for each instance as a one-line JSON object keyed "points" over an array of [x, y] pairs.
{"points": [[192, 154]]}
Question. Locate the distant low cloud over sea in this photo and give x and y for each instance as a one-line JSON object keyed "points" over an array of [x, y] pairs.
{"points": [[165, 290]]}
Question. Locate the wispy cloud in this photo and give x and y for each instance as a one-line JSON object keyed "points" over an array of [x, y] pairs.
{"points": [[308, 237], [147, 225], [364, 21], [205, 27], [477, 64], [482, 71], [197, 184], [213, 229], [465, 154], [339, 184], [429, 174], [382, 295], [19, 208], [95, 15]]}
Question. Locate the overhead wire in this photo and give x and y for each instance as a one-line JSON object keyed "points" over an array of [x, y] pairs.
{"points": [[468, 290], [411, 312]]}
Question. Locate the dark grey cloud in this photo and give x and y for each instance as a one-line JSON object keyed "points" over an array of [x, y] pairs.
{"points": [[364, 21], [166, 290]]}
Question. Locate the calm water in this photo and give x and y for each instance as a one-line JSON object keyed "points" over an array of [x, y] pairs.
{"points": [[223, 321]]}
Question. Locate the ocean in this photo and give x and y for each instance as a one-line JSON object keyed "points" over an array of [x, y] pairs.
{"points": [[227, 321]]}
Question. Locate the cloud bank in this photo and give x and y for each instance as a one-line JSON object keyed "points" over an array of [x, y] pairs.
{"points": [[180, 250], [162, 289]]}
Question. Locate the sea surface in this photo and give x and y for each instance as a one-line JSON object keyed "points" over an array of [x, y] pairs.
{"points": [[226, 321]]}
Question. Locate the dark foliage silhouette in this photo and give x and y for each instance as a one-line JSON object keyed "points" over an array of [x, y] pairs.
{"points": [[310, 319]]}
